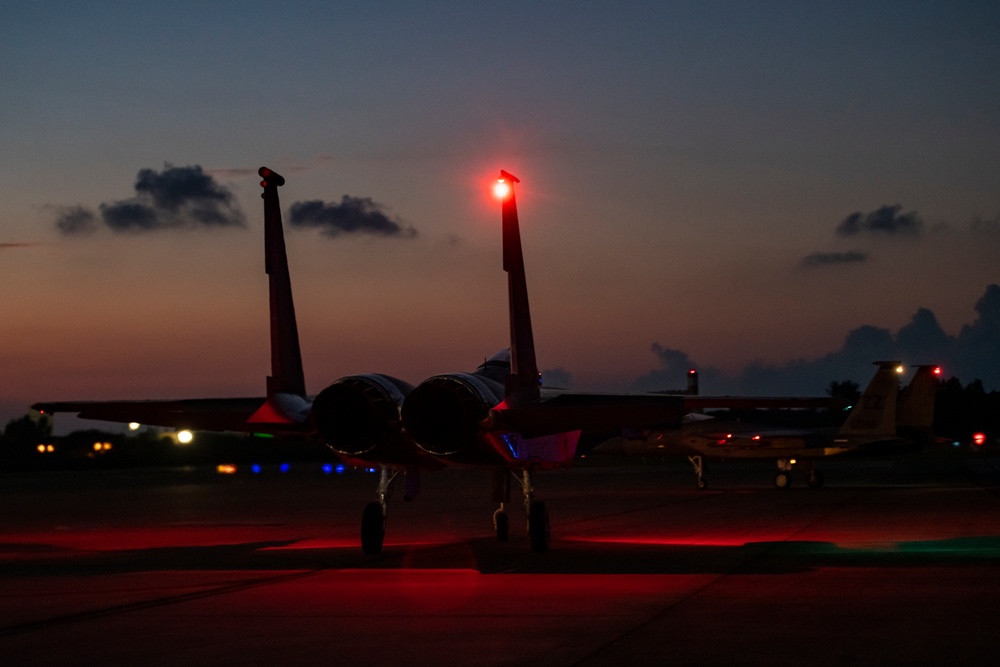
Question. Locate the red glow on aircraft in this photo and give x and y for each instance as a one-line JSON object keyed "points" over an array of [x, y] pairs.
{"points": [[501, 189]]}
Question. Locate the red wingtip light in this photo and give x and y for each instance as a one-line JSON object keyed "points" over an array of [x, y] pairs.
{"points": [[979, 439]]}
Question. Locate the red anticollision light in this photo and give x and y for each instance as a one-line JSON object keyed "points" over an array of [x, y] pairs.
{"points": [[501, 189], [979, 439], [937, 370]]}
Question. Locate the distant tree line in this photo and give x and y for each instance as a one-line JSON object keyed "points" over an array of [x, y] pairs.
{"points": [[959, 411]]}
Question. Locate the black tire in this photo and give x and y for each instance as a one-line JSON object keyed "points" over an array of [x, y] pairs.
{"points": [[372, 528], [782, 480], [538, 527], [501, 522]]}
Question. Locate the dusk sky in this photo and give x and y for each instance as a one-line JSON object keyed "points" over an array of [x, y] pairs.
{"points": [[776, 192]]}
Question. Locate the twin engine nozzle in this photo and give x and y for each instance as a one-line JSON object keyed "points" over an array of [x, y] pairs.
{"points": [[442, 416]]}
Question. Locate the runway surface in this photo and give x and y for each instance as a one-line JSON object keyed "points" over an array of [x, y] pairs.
{"points": [[892, 562]]}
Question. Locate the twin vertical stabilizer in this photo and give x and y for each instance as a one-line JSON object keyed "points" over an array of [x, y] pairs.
{"points": [[523, 382], [286, 358], [875, 413]]}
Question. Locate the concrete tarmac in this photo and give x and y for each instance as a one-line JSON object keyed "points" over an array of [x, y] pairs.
{"points": [[892, 562]]}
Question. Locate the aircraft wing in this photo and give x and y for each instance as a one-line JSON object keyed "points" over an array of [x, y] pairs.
{"points": [[588, 412], [760, 402], [202, 414]]}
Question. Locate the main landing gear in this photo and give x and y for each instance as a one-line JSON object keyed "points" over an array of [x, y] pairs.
{"points": [[783, 479], [699, 471], [535, 511], [374, 517]]}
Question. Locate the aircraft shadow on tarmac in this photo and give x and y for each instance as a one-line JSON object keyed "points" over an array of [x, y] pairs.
{"points": [[488, 557]]}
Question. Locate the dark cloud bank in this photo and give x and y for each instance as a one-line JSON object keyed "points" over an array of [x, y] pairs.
{"points": [[353, 215], [175, 198], [189, 198], [973, 354], [885, 221]]}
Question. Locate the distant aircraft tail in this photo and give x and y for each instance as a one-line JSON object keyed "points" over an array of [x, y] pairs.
{"points": [[915, 413], [692, 388], [875, 413], [522, 384]]}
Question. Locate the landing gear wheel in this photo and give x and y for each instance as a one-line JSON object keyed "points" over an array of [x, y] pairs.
{"points": [[702, 483], [815, 479], [782, 480], [372, 528], [501, 522], [538, 527]]}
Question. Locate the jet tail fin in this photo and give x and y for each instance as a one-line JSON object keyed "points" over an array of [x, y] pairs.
{"points": [[522, 384], [875, 412], [916, 402], [286, 358]]}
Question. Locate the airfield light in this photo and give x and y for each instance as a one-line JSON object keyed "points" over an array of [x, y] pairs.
{"points": [[98, 447], [937, 370], [340, 468], [185, 437], [327, 468], [134, 426], [226, 469], [900, 369], [41, 449], [979, 439]]}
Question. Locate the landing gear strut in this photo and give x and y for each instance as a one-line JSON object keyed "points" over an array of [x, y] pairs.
{"points": [[538, 516], [501, 494], [373, 518], [534, 510], [699, 470], [783, 479]]}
